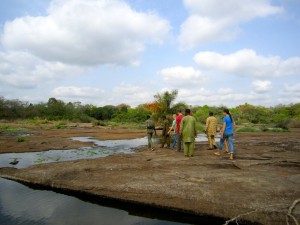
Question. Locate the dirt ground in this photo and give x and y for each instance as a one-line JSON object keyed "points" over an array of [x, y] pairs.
{"points": [[261, 185]]}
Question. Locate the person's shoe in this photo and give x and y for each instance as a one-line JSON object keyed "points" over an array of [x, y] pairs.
{"points": [[152, 149], [215, 147], [217, 153], [231, 156]]}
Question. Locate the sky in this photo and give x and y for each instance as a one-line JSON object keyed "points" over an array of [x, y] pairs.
{"points": [[109, 52]]}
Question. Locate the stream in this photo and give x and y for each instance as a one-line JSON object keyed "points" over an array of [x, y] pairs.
{"points": [[22, 205], [26, 205], [102, 148]]}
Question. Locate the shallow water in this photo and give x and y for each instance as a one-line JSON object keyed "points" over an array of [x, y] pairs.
{"points": [[102, 148], [21, 205]]}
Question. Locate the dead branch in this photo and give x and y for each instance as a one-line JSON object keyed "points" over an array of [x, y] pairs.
{"points": [[289, 214], [235, 219]]}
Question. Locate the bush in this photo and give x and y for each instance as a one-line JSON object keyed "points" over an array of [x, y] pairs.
{"points": [[99, 123], [200, 127], [277, 130], [294, 124], [248, 129], [284, 124], [20, 139]]}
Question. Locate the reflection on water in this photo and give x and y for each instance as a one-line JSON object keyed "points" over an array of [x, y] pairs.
{"points": [[22, 205], [102, 148]]}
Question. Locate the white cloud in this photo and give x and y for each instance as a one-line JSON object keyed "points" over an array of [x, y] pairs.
{"points": [[290, 93], [262, 86], [221, 96], [292, 90], [247, 63], [77, 92], [214, 20], [182, 76], [23, 70], [131, 94], [224, 91], [86, 32]]}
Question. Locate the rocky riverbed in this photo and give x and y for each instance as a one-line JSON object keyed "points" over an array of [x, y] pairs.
{"points": [[261, 185]]}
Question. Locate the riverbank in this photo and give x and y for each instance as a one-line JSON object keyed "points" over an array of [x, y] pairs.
{"points": [[260, 185]]}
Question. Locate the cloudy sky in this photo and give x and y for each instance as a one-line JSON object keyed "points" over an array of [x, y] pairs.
{"points": [[104, 52]]}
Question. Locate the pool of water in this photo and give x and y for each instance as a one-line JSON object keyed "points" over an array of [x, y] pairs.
{"points": [[21, 205], [102, 148]]}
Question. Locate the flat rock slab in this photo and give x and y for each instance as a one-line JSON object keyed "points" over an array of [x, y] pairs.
{"points": [[260, 185]]}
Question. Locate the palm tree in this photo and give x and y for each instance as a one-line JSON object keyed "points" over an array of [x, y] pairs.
{"points": [[166, 99]]}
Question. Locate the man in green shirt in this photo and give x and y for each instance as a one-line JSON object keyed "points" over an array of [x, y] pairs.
{"points": [[188, 133], [150, 128]]}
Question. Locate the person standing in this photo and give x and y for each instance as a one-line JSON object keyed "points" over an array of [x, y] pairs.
{"points": [[188, 132], [165, 133], [227, 133], [211, 130], [150, 129], [178, 121], [172, 131]]}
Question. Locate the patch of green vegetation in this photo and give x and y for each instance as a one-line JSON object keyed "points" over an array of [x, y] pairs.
{"points": [[248, 129], [278, 130], [43, 159], [8, 128], [91, 153], [20, 139], [5, 127], [200, 127], [99, 123]]}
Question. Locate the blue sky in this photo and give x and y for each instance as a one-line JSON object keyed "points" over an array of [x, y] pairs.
{"points": [[104, 52]]}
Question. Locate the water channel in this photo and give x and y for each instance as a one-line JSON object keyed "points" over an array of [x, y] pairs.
{"points": [[24, 205]]}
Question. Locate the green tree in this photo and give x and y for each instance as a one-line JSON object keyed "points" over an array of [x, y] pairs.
{"points": [[165, 100], [56, 109]]}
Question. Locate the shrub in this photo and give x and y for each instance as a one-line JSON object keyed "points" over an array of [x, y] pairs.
{"points": [[248, 129], [277, 130], [99, 123], [294, 124], [200, 127], [20, 139]]}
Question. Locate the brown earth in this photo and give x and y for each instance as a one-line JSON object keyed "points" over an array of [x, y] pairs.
{"points": [[260, 185]]}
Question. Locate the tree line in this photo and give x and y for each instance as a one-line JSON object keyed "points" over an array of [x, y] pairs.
{"points": [[163, 104]]}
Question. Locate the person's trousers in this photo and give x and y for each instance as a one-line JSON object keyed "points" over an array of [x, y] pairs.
{"points": [[229, 137], [178, 142], [174, 140], [165, 139], [211, 140], [188, 148], [150, 143]]}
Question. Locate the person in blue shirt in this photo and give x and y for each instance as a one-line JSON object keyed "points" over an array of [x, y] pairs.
{"points": [[227, 133]]}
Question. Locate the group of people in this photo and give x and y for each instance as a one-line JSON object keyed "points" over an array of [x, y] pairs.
{"points": [[184, 131]]}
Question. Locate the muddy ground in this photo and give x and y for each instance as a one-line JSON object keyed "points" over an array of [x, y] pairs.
{"points": [[260, 185]]}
